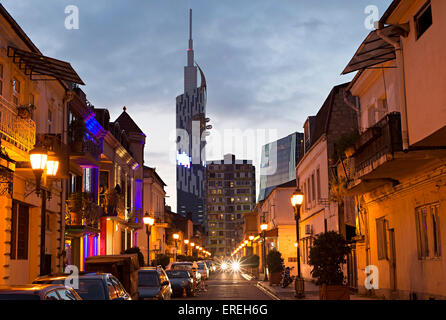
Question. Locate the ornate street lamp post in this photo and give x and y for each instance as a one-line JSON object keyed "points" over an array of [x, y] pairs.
{"points": [[148, 221], [263, 227], [296, 200], [176, 236], [186, 242], [252, 248], [39, 162]]}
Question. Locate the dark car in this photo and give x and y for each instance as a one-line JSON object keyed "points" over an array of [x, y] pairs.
{"points": [[38, 292], [182, 282], [91, 286], [153, 284]]}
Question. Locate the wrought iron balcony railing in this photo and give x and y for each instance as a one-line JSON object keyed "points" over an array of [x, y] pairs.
{"points": [[19, 130], [82, 210], [377, 141]]}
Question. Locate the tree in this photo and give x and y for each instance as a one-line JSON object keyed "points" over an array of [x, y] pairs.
{"points": [[162, 259], [327, 255], [274, 261]]}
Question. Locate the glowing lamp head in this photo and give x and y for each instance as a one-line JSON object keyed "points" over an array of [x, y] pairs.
{"points": [[251, 238], [263, 226], [246, 242], [297, 198], [176, 236], [51, 167], [38, 158], [192, 244], [148, 220], [186, 241]]}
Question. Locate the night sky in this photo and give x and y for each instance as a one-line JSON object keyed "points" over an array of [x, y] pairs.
{"points": [[268, 64]]}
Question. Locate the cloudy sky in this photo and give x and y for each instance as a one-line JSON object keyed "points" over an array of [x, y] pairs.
{"points": [[269, 64]]}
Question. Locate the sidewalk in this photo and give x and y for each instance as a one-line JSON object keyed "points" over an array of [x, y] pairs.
{"points": [[311, 291]]}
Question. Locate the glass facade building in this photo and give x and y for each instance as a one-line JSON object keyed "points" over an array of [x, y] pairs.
{"points": [[278, 163]]}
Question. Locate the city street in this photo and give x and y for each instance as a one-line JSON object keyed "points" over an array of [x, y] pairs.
{"points": [[230, 286]]}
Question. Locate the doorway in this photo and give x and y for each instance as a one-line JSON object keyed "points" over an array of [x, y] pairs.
{"points": [[392, 259]]}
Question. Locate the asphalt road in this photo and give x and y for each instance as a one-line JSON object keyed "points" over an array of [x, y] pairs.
{"points": [[230, 286]]}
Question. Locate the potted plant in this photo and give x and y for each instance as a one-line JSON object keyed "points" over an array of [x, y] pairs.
{"points": [[275, 265], [25, 111], [252, 262], [327, 255]]}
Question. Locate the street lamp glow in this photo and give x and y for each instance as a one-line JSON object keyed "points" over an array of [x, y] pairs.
{"points": [[38, 158], [297, 198], [246, 242], [263, 226], [251, 238], [176, 236], [51, 167], [148, 220], [186, 241], [192, 244]]}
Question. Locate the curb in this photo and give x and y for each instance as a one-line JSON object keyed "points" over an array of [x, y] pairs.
{"points": [[267, 290]]}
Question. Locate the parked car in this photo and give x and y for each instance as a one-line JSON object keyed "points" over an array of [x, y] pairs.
{"points": [[189, 267], [38, 292], [153, 284], [203, 270], [91, 285], [182, 282], [211, 266]]}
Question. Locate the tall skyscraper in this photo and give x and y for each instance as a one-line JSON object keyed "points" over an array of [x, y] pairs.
{"points": [[191, 129], [278, 163], [231, 191]]}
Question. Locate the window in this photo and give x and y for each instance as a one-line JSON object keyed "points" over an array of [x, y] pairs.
{"points": [[19, 231], [16, 91], [1, 79], [423, 20], [381, 234], [50, 120], [428, 231], [318, 178], [313, 197]]}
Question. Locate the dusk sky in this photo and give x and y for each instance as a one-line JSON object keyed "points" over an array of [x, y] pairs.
{"points": [[268, 64]]}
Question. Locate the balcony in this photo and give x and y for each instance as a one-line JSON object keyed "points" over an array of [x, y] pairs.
{"points": [[379, 159], [17, 129], [85, 149], [82, 212], [135, 219], [112, 204]]}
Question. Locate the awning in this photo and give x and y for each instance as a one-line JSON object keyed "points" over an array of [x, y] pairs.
{"points": [[374, 50], [38, 66]]}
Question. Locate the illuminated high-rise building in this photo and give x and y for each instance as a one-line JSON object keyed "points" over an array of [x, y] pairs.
{"points": [[191, 130]]}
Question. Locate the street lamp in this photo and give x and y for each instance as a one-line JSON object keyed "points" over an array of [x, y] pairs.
{"points": [[263, 227], [148, 221], [176, 236], [186, 242], [297, 198], [39, 161], [251, 238]]}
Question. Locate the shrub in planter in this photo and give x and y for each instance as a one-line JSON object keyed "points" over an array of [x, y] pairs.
{"points": [[275, 265], [327, 255], [161, 259], [137, 251]]}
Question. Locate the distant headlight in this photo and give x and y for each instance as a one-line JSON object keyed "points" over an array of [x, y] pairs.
{"points": [[235, 266], [224, 266]]}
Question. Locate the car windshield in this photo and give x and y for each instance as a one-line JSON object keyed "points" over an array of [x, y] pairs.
{"points": [[177, 274], [18, 296], [201, 266], [89, 289], [181, 266], [148, 279]]}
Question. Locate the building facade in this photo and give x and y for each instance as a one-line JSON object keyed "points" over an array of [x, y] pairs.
{"points": [[321, 211], [33, 113], [398, 168], [278, 163], [231, 191], [191, 131]]}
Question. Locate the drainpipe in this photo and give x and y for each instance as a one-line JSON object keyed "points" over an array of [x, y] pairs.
{"points": [[402, 84]]}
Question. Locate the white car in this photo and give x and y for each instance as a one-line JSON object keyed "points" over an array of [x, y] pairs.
{"points": [[203, 269]]}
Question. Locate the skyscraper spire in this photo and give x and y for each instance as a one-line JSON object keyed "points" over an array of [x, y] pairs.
{"points": [[190, 71]]}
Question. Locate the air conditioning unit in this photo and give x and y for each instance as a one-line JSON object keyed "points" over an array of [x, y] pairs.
{"points": [[309, 229]]}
